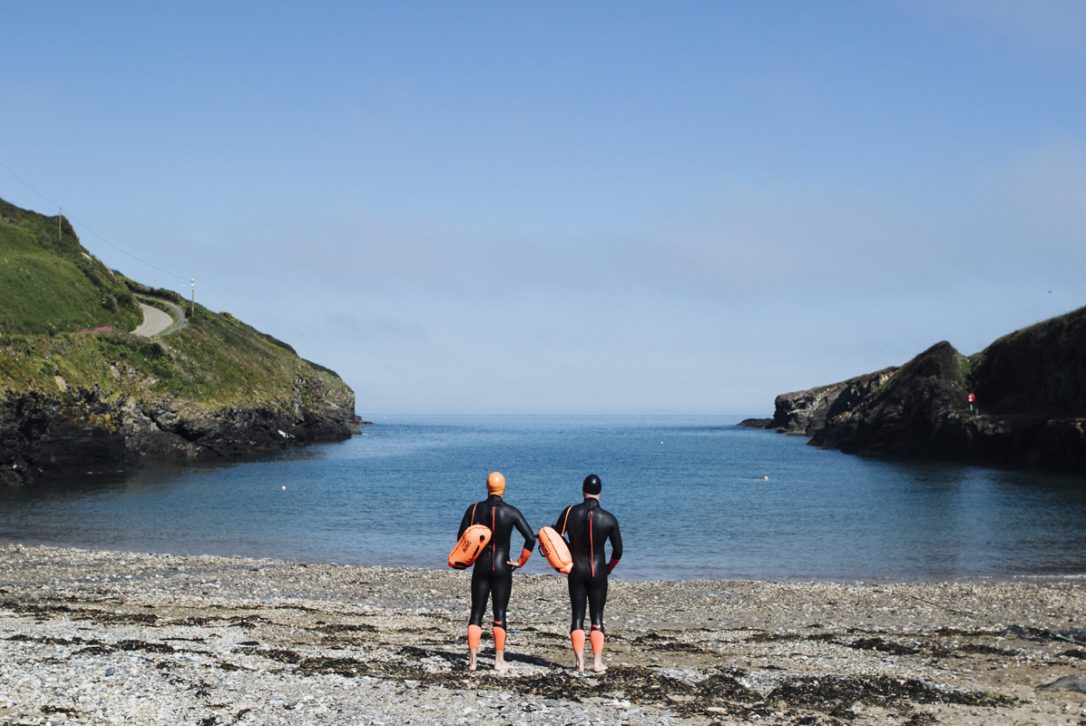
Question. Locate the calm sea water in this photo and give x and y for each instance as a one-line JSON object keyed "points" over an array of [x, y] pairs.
{"points": [[697, 497]]}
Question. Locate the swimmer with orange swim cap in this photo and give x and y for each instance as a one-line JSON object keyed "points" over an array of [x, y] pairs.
{"points": [[493, 573], [588, 526]]}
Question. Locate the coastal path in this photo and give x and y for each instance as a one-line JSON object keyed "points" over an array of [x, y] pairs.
{"points": [[159, 322]]}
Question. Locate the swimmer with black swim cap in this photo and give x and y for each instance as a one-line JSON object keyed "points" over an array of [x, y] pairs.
{"points": [[588, 527], [492, 576]]}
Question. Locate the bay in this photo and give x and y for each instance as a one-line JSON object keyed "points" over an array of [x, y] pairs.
{"points": [[697, 497]]}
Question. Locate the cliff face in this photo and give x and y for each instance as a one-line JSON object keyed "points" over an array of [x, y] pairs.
{"points": [[805, 412], [79, 393], [1040, 369], [1030, 411], [87, 432]]}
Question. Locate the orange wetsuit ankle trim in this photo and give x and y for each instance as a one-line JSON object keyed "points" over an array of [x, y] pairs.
{"points": [[597, 639], [474, 634]]}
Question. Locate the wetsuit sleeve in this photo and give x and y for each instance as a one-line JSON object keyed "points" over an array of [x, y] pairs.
{"points": [[616, 547], [561, 521], [464, 523], [529, 539], [525, 531]]}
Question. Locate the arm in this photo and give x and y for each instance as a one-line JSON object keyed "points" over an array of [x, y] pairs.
{"points": [[560, 523], [464, 523], [616, 547], [529, 540]]}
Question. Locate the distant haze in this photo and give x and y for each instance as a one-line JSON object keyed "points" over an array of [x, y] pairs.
{"points": [[570, 207]]}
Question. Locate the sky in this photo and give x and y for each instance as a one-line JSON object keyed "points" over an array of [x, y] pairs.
{"points": [[606, 207]]}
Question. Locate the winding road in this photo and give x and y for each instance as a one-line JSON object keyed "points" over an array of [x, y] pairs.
{"points": [[156, 321]]}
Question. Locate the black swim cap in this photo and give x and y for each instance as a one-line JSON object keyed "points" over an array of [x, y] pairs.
{"points": [[592, 484]]}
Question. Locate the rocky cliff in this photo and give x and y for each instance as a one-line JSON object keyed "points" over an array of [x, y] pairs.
{"points": [[1030, 409], [91, 431], [79, 393]]}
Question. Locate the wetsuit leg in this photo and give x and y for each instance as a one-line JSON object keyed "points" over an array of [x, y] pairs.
{"points": [[501, 587], [480, 593], [578, 594], [597, 598]]}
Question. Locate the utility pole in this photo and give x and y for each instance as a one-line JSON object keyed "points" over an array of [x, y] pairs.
{"points": [[192, 304]]}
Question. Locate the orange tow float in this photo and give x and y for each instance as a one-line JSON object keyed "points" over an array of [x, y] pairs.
{"points": [[469, 546], [556, 551]]}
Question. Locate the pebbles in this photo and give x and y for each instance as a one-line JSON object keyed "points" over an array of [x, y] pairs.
{"points": [[98, 637]]}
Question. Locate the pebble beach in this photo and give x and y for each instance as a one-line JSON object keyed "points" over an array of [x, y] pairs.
{"points": [[107, 637]]}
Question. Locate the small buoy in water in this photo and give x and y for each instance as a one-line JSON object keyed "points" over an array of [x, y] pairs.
{"points": [[764, 478], [661, 443], [284, 487]]}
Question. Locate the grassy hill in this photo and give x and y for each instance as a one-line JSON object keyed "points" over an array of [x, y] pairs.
{"points": [[50, 284], [54, 296], [70, 370]]}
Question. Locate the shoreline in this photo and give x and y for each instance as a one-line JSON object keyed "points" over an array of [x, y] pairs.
{"points": [[537, 570], [100, 636]]}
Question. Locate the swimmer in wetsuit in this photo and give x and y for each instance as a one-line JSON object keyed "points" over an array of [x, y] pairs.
{"points": [[588, 527], [493, 573]]}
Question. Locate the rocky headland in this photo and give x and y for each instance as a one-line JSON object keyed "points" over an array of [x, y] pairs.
{"points": [[80, 393], [1029, 409]]}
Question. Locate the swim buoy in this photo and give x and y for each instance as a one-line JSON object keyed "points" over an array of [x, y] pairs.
{"points": [[556, 551], [469, 546]]}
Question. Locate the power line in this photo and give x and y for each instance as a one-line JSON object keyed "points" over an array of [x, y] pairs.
{"points": [[100, 238]]}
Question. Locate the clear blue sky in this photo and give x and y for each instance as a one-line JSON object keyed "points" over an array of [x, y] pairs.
{"points": [[574, 207]]}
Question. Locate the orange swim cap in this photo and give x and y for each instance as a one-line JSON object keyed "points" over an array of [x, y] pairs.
{"points": [[495, 483]]}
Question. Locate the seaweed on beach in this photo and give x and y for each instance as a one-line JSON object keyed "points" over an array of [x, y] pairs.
{"points": [[245, 622], [333, 629], [982, 649], [883, 646], [145, 646], [657, 642], [97, 647], [1043, 635], [20, 638], [828, 693], [346, 633], [350, 667], [281, 655], [65, 710], [763, 636], [49, 610]]}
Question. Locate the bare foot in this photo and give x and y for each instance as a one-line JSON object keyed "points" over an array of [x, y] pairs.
{"points": [[578, 661], [597, 665], [500, 665], [472, 665]]}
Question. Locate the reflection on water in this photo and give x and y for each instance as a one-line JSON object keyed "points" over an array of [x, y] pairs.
{"points": [[697, 497]]}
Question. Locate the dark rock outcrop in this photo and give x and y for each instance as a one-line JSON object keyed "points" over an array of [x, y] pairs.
{"points": [[804, 412], [85, 432], [1030, 388]]}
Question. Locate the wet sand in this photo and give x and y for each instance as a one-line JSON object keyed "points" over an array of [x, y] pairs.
{"points": [[100, 637]]}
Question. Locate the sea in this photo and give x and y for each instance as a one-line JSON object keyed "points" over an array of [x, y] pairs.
{"points": [[697, 497]]}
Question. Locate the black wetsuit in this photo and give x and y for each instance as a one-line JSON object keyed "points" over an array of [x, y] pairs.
{"points": [[588, 526], [492, 574]]}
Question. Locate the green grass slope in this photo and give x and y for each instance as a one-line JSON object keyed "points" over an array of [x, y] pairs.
{"points": [[55, 298], [50, 284]]}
